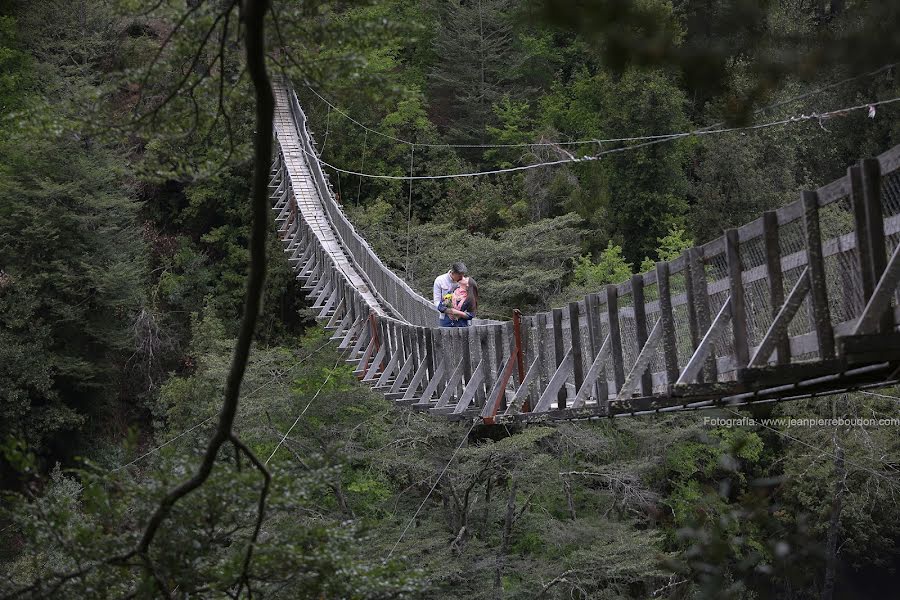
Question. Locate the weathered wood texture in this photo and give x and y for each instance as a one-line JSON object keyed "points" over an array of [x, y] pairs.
{"points": [[566, 362]]}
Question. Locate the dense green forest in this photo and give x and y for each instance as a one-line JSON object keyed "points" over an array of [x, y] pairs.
{"points": [[126, 165]]}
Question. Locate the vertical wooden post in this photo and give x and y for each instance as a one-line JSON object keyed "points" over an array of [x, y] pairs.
{"points": [[690, 303], [591, 302], [485, 350], [466, 339], [861, 231], [430, 351], [818, 292], [558, 352], [775, 279], [871, 185], [615, 335], [670, 345], [517, 336], [738, 310], [575, 326], [640, 327], [541, 346], [418, 347], [701, 306], [497, 364]]}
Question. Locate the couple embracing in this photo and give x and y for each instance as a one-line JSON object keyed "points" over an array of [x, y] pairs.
{"points": [[456, 296]]}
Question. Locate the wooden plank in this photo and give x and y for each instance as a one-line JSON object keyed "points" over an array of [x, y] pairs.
{"points": [[593, 373], [389, 370], [861, 232], [472, 387], [667, 318], [738, 308], [542, 347], [575, 328], [405, 370], [363, 337], [558, 352], [433, 384], [640, 325], [871, 317], [430, 350], [863, 349], [593, 310], [691, 304], [464, 337], [497, 395], [776, 336], [871, 187], [775, 280], [701, 307], [484, 346], [376, 363], [643, 360], [416, 382], [532, 375], [706, 346], [557, 380], [615, 335], [452, 384], [818, 283], [347, 335]]}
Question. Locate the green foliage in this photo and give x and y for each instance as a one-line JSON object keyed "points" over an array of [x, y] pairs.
{"points": [[71, 285], [671, 246], [511, 270], [610, 268]]}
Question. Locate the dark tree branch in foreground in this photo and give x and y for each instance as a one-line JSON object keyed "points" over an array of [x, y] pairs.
{"points": [[253, 13]]}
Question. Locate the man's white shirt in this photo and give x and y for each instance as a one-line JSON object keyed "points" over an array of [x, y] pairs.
{"points": [[443, 284]]}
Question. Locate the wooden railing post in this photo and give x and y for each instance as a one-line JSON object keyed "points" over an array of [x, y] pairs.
{"points": [[738, 310], [615, 335], [818, 285], [575, 327], [669, 343], [775, 279], [558, 353], [701, 306], [871, 244], [640, 327], [517, 336]]}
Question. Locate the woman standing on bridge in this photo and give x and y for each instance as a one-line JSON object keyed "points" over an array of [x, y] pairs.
{"points": [[460, 308]]}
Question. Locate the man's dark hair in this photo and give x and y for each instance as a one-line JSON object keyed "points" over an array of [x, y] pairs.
{"points": [[459, 267]]}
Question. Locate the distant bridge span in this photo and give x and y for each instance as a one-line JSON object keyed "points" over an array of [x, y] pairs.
{"points": [[801, 302]]}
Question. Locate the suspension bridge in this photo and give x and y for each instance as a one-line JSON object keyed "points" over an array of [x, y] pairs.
{"points": [[801, 302]]}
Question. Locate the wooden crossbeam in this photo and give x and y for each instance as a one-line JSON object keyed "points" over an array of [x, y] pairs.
{"points": [[597, 367], [430, 388], [555, 385], [471, 388], [881, 297], [388, 370], [777, 331], [695, 364], [376, 363], [498, 391], [522, 392], [405, 370], [642, 362], [452, 383]]}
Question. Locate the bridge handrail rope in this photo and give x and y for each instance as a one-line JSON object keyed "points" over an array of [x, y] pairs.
{"points": [[788, 305], [331, 106], [396, 292]]}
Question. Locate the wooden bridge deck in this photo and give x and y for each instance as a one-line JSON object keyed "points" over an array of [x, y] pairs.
{"points": [[800, 302]]}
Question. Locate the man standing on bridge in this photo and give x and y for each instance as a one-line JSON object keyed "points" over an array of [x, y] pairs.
{"points": [[446, 283]]}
